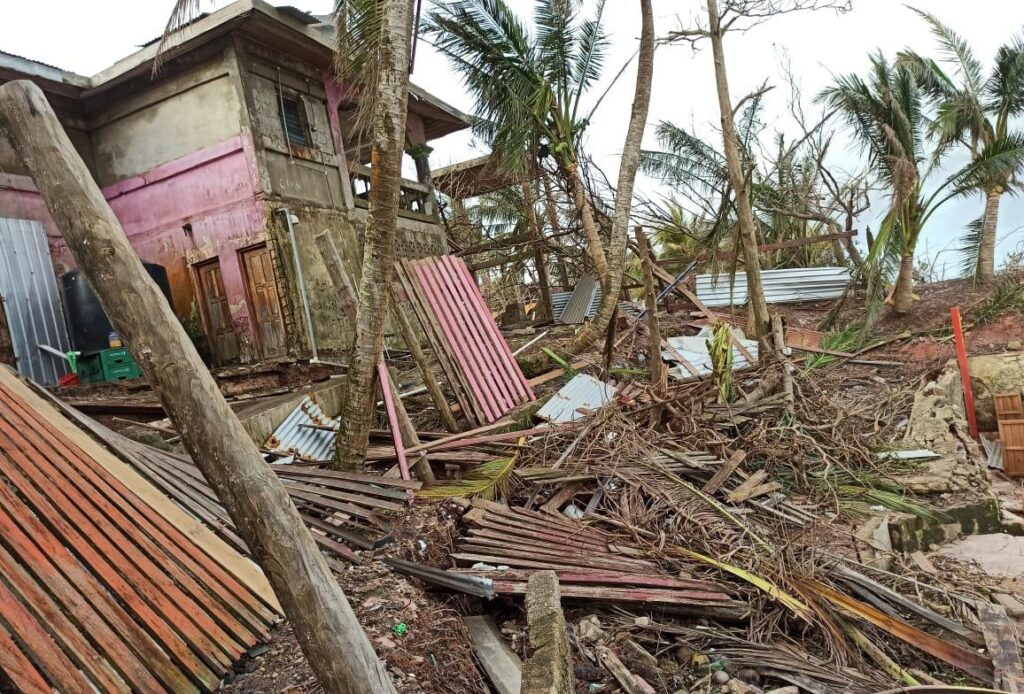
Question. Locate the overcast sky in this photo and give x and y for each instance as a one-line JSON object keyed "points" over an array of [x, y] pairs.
{"points": [[86, 37]]}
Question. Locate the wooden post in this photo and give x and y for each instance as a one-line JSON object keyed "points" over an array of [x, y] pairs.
{"points": [[543, 282], [413, 343], [780, 354], [327, 629], [336, 269], [407, 431], [965, 371], [659, 375]]}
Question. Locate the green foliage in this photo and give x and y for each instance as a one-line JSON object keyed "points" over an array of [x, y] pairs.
{"points": [[488, 479], [528, 82], [720, 351], [848, 339], [1006, 297]]}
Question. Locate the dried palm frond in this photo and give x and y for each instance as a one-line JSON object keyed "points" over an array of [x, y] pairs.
{"points": [[489, 480]]}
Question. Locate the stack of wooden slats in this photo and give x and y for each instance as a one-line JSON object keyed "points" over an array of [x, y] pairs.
{"points": [[473, 355]]}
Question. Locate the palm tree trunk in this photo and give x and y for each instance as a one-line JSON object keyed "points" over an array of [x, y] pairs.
{"points": [[738, 179], [595, 248], [903, 293], [551, 210], [391, 94], [624, 190], [987, 251], [539, 262]]}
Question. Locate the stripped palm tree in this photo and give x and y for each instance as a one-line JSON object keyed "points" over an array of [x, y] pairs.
{"points": [[974, 111], [885, 113]]}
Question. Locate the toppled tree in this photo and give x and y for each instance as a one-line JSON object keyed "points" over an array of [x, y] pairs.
{"points": [[975, 112], [529, 89], [326, 627]]}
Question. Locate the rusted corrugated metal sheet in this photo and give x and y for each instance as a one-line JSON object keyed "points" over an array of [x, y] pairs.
{"points": [[471, 349], [99, 590], [583, 392]]}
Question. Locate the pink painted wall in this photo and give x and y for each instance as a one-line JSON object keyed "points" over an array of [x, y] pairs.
{"points": [[216, 190]]}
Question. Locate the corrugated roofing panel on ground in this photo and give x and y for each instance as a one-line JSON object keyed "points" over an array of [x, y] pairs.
{"points": [[583, 392], [787, 285], [695, 350], [297, 434], [580, 301]]}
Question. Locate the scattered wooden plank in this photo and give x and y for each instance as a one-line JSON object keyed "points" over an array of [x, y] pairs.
{"points": [[724, 472], [503, 667], [630, 683], [748, 485], [1003, 646]]}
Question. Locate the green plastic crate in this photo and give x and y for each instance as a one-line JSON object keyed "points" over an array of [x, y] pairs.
{"points": [[108, 365]]}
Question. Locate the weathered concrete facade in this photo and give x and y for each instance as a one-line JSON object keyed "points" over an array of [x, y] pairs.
{"points": [[204, 168]]}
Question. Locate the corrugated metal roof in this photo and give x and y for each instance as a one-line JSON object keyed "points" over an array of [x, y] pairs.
{"points": [[582, 392], [295, 437], [788, 285], [695, 350], [32, 301]]}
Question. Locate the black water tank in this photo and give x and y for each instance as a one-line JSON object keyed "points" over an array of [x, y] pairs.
{"points": [[90, 328]]}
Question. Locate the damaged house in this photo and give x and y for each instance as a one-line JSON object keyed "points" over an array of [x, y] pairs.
{"points": [[222, 167]]}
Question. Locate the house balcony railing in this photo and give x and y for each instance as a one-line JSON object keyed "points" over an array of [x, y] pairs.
{"points": [[416, 200]]}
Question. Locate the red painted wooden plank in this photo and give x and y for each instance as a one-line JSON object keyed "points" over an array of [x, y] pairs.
{"points": [[215, 581], [470, 312], [965, 371], [457, 341], [18, 668], [112, 535], [86, 600], [49, 613], [389, 404], [76, 532], [498, 340], [38, 645]]}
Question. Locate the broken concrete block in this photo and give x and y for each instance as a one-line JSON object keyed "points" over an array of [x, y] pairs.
{"points": [[549, 669]]}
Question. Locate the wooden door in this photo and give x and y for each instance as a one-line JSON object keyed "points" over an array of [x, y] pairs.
{"points": [[217, 313], [264, 303]]}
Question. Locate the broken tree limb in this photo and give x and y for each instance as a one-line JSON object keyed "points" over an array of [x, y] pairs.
{"points": [[328, 632], [630, 683], [780, 354], [659, 375]]}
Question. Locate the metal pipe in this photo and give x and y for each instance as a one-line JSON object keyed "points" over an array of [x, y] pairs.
{"points": [[289, 217]]}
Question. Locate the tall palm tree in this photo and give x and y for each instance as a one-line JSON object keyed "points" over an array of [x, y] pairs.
{"points": [[973, 110], [528, 85]]}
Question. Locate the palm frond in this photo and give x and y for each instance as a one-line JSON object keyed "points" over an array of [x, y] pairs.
{"points": [[183, 13], [489, 480], [588, 62], [1005, 87], [970, 247], [956, 50]]}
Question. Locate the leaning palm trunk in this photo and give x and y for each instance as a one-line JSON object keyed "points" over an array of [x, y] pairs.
{"points": [[739, 182], [551, 211], [595, 247], [390, 99], [624, 191], [987, 250]]}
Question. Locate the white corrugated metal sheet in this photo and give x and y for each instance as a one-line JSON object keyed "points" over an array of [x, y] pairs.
{"points": [[295, 437], [788, 285], [695, 350], [32, 300], [582, 392]]}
